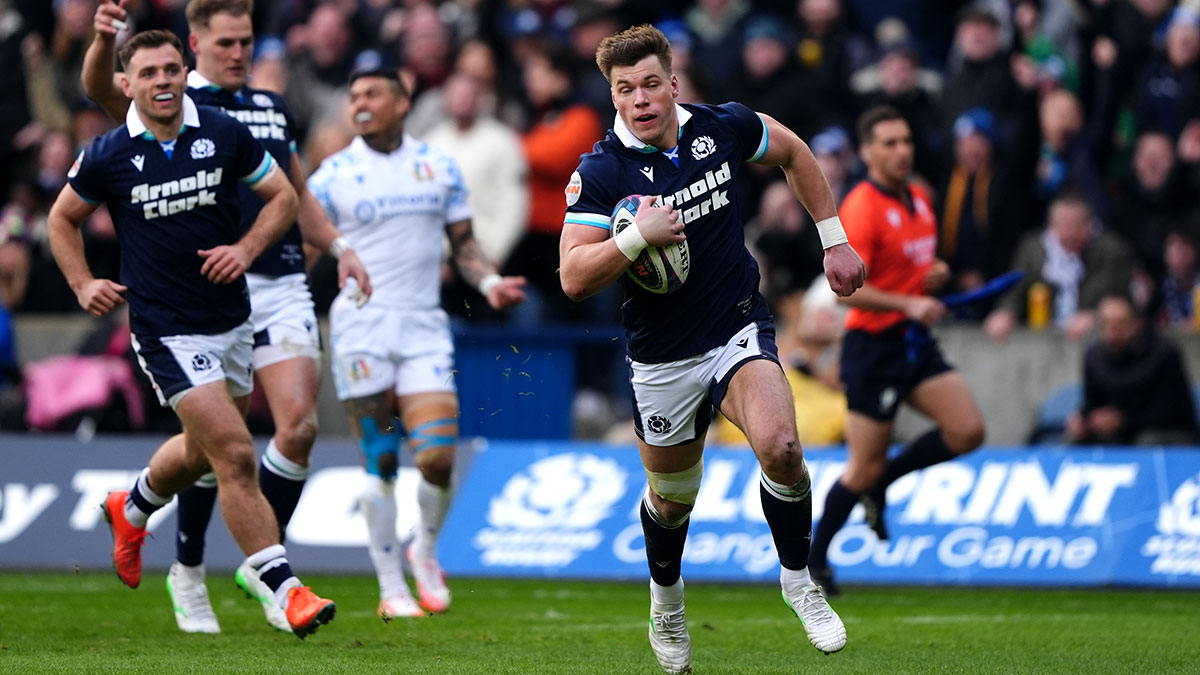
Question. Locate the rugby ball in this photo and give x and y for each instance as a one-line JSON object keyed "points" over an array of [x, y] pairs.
{"points": [[656, 269]]}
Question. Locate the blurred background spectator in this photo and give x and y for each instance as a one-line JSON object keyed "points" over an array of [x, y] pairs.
{"points": [[1074, 261], [1136, 387], [1014, 104]]}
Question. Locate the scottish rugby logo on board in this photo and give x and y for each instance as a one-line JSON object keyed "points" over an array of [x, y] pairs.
{"points": [[547, 515], [1175, 548]]}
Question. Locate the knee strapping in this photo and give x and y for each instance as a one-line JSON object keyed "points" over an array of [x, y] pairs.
{"points": [[379, 449], [660, 518], [423, 440], [680, 487], [796, 492]]}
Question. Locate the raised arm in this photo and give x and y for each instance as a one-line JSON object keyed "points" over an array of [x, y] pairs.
{"points": [[97, 296], [318, 231], [843, 268], [478, 271], [99, 62]]}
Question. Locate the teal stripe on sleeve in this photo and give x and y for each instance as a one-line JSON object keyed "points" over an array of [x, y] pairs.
{"points": [[762, 145], [261, 172], [590, 219]]}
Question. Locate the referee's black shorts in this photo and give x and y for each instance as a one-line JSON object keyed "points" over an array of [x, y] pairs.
{"points": [[879, 370]]}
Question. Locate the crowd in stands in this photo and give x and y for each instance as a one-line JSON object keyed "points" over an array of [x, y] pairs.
{"points": [[1060, 137]]}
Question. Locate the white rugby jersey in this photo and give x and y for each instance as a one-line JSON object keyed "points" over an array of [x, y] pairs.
{"points": [[394, 209]]}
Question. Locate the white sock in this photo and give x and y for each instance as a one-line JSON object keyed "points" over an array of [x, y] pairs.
{"points": [[274, 461], [133, 513], [281, 593], [379, 507], [667, 596], [793, 580], [193, 573], [433, 502]]}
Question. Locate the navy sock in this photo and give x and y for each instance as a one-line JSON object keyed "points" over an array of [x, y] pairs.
{"points": [[275, 572], [838, 504], [194, 512], [927, 450], [791, 526], [283, 494], [664, 547]]}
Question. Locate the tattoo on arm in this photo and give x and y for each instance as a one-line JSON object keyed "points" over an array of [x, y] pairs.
{"points": [[469, 258]]}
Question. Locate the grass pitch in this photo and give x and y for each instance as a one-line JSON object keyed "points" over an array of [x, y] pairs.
{"points": [[90, 623]]}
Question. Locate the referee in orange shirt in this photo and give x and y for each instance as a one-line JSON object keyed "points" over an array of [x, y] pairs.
{"points": [[888, 355]]}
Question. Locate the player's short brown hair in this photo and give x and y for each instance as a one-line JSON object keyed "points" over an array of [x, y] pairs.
{"points": [[200, 12], [148, 39], [630, 46], [869, 119]]}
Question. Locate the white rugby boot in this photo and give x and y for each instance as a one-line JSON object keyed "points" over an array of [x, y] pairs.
{"points": [[825, 629], [189, 596], [399, 604], [248, 580], [431, 581], [668, 629]]}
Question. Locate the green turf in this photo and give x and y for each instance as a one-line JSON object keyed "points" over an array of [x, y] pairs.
{"points": [[90, 623]]}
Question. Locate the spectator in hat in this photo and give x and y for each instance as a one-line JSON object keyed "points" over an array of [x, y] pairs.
{"points": [[1168, 88], [982, 203], [837, 159], [768, 79]]}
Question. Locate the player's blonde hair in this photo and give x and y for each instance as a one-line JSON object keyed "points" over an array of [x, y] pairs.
{"points": [[200, 12], [630, 46]]}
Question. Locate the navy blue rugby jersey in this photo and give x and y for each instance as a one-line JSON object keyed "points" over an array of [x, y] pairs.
{"points": [[166, 206], [721, 294], [270, 121]]}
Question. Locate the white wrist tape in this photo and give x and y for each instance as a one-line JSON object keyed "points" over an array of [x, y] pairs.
{"points": [[340, 246], [630, 241], [488, 283], [831, 232]]}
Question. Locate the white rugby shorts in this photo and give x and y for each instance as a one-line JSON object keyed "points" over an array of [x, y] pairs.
{"points": [[284, 319], [377, 348], [674, 401], [177, 363]]}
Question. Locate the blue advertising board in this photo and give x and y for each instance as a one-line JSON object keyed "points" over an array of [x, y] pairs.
{"points": [[997, 516], [561, 509]]}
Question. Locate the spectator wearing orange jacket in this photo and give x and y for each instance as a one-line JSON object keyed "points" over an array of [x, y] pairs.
{"points": [[562, 129]]}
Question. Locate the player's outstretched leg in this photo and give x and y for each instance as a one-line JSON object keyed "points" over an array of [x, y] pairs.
{"points": [[432, 592], [248, 580], [668, 628], [825, 629], [189, 597], [379, 507]]}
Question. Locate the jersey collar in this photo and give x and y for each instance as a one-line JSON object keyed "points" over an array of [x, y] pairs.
{"points": [[360, 146], [191, 118], [197, 81], [626, 136]]}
